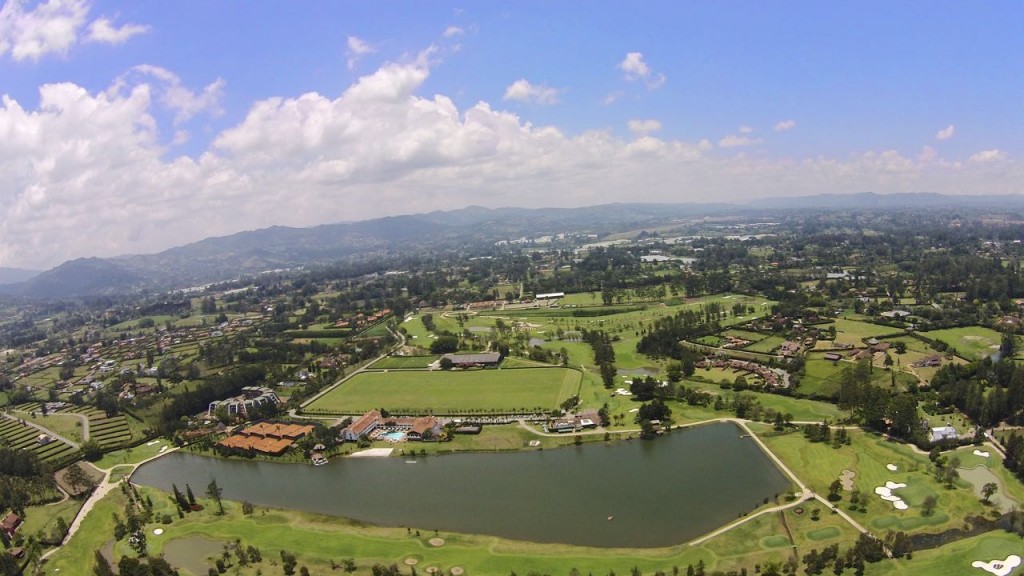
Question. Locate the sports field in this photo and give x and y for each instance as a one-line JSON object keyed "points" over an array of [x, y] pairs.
{"points": [[451, 392], [971, 342]]}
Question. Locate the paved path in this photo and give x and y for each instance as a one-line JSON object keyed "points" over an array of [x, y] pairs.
{"points": [[101, 490], [44, 430]]}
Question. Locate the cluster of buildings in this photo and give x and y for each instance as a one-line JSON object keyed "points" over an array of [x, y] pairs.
{"points": [[251, 397], [415, 428], [574, 422], [477, 360], [267, 437], [774, 377]]}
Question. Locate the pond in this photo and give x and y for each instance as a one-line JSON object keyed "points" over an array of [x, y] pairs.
{"points": [[629, 494]]}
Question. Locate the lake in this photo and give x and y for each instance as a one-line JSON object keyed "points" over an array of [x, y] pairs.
{"points": [[659, 493]]}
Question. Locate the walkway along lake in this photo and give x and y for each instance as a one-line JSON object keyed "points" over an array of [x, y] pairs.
{"points": [[659, 493]]}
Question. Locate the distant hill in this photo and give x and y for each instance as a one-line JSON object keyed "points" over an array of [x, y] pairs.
{"points": [[252, 252], [15, 275]]}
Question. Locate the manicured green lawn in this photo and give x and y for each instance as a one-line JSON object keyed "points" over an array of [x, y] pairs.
{"points": [[403, 362], [451, 391], [855, 331], [970, 342]]}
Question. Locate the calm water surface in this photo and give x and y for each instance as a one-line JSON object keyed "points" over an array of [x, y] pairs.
{"points": [[660, 493]]}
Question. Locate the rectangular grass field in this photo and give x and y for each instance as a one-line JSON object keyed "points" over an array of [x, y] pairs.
{"points": [[443, 392]]}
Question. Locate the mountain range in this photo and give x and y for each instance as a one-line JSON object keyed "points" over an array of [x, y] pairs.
{"points": [[224, 258]]}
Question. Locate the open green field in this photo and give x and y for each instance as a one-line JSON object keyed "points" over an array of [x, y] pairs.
{"points": [[971, 342], [765, 345], [801, 410], [818, 464], [456, 392], [403, 362], [855, 331], [65, 425]]}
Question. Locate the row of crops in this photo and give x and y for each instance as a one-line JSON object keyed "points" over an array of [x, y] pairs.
{"points": [[21, 436]]}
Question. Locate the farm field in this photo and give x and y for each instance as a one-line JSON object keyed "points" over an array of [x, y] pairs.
{"points": [[765, 345], [444, 392], [20, 436], [972, 342]]}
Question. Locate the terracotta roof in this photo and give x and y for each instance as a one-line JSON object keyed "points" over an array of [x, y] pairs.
{"points": [[359, 426], [275, 430], [265, 445]]}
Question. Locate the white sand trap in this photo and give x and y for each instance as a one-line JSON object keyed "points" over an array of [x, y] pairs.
{"points": [[894, 485], [900, 505], [891, 498], [885, 492], [999, 567], [373, 453], [982, 453], [163, 449], [633, 410], [158, 531], [152, 443], [534, 443], [891, 467]]}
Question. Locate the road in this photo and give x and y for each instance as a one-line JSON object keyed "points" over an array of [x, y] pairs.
{"points": [[46, 431], [401, 342]]}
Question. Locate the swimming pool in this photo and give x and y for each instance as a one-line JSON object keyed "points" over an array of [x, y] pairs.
{"points": [[393, 436]]}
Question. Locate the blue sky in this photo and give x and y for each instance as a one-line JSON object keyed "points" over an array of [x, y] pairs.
{"points": [[131, 127]]}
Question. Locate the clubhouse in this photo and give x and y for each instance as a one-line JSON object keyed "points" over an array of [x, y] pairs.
{"points": [[481, 359], [415, 428]]}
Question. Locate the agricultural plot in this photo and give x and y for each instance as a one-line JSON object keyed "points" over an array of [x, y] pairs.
{"points": [[451, 392], [766, 345], [971, 342], [23, 437], [108, 432]]}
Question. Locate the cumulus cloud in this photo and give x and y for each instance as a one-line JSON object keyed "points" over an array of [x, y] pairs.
{"points": [[103, 30], [523, 91], [49, 28], [53, 27], [452, 31], [183, 101], [946, 133], [85, 173], [635, 68], [357, 48], [785, 125], [644, 126], [993, 155]]}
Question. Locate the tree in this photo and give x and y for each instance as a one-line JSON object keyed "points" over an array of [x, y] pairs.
{"points": [[900, 347], [76, 477], [91, 450], [833, 491], [214, 491], [928, 506], [988, 490], [446, 363], [101, 566]]}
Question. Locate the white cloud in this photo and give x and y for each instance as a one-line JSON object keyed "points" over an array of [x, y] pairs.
{"points": [[49, 28], [53, 27], [635, 68], [85, 173], [946, 133], [357, 48], [738, 141], [103, 30], [452, 31], [183, 101], [644, 126], [746, 129], [612, 97], [993, 155], [522, 91], [785, 125]]}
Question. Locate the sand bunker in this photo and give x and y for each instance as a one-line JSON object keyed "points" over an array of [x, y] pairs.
{"points": [[163, 449], [623, 392], [436, 542], [982, 453], [891, 467], [846, 479], [633, 410], [885, 493], [152, 443], [372, 453], [457, 571], [158, 531], [534, 443], [411, 561], [999, 567]]}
